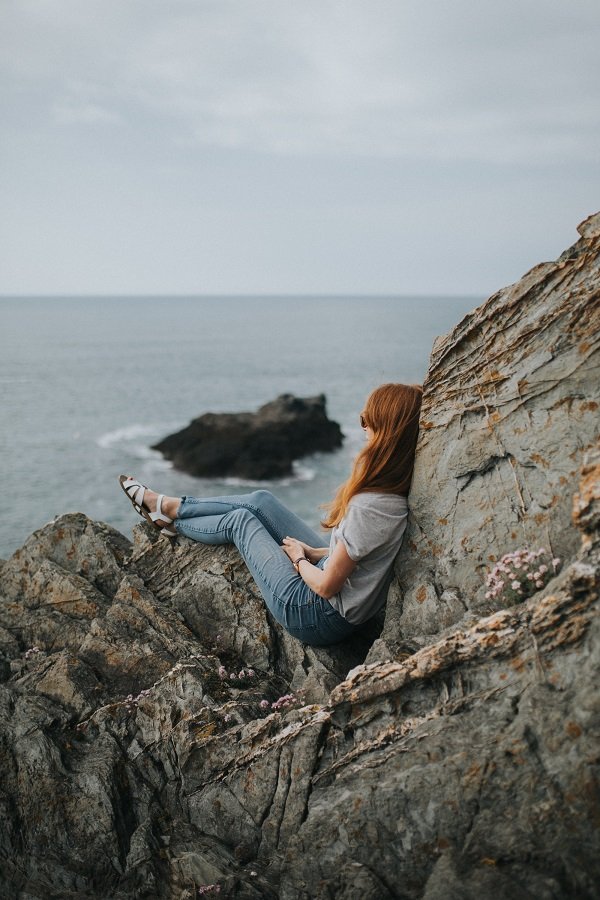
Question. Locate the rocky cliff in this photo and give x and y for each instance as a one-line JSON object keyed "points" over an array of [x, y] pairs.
{"points": [[510, 406], [161, 737]]}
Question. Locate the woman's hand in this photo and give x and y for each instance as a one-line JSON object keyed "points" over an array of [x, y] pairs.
{"points": [[325, 582], [313, 554], [295, 549]]}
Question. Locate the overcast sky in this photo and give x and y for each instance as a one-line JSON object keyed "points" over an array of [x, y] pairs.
{"points": [[296, 146]]}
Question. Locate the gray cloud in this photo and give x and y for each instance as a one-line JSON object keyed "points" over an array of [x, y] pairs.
{"points": [[463, 80], [399, 111]]}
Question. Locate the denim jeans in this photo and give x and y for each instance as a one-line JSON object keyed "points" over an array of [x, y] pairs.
{"points": [[257, 524]]}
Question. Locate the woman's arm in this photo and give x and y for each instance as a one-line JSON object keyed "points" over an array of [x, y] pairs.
{"points": [[314, 554], [324, 582]]}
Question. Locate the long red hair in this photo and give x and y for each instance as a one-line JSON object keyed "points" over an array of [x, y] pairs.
{"points": [[386, 463]]}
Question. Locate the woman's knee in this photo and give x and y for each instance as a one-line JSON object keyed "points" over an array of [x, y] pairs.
{"points": [[262, 499], [240, 515]]}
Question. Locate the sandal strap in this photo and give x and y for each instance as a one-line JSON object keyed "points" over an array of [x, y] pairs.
{"points": [[135, 491], [159, 514]]}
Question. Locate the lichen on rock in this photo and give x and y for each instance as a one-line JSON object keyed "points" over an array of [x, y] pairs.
{"points": [[510, 406]]}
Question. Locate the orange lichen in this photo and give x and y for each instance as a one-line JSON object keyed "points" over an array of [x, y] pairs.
{"points": [[473, 772], [421, 594], [573, 729], [538, 458], [490, 640]]}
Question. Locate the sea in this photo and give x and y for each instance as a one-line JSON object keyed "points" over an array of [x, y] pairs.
{"points": [[88, 384]]}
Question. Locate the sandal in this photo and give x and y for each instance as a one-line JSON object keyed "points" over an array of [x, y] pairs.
{"points": [[135, 491]]}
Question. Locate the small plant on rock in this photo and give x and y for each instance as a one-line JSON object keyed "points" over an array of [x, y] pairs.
{"points": [[281, 703], [520, 574], [284, 702], [237, 679]]}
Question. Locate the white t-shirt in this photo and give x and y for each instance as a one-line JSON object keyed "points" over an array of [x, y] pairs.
{"points": [[372, 531]]}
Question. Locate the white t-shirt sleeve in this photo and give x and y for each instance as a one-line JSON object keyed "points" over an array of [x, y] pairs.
{"points": [[371, 532], [364, 529]]}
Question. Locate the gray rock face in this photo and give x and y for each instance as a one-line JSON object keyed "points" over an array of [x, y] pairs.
{"points": [[145, 753], [510, 405], [256, 445]]}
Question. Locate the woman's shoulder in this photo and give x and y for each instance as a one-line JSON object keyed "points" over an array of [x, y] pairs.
{"points": [[392, 504]]}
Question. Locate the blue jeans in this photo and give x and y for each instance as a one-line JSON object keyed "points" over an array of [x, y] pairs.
{"points": [[257, 524]]}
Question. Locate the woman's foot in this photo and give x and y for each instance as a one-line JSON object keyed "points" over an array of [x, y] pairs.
{"points": [[169, 506], [155, 508]]}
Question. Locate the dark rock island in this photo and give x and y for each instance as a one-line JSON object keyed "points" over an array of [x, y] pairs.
{"points": [[162, 737], [256, 446]]}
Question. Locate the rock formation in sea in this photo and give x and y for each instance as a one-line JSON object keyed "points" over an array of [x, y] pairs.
{"points": [[260, 445], [162, 737]]}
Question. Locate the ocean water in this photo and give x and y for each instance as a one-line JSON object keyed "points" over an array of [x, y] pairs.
{"points": [[88, 384]]}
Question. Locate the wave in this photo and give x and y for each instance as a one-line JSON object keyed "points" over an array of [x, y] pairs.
{"points": [[300, 473], [303, 472], [125, 435], [134, 442]]}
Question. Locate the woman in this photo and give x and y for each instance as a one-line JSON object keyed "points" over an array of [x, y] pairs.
{"points": [[319, 594]]}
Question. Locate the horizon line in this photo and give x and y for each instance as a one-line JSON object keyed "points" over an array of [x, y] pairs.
{"points": [[235, 295]]}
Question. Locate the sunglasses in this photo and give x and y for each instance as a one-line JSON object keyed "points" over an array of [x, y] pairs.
{"points": [[363, 421]]}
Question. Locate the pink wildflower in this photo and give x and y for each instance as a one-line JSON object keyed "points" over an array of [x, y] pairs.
{"points": [[284, 701]]}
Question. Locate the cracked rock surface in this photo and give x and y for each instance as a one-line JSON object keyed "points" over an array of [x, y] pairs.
{"points": [[453, 756], [511, 403]]}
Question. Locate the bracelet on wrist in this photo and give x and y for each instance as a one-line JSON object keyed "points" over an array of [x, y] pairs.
{"points": [[296, 562]]}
